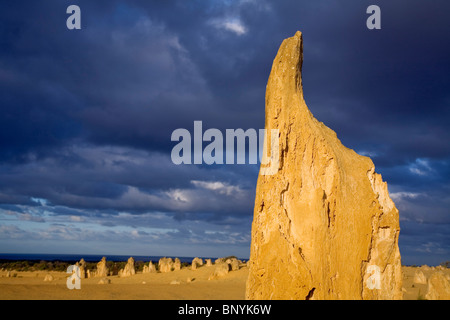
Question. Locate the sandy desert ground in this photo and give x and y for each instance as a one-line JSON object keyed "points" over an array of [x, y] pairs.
{"points": [[155, 286], [417, 291]]}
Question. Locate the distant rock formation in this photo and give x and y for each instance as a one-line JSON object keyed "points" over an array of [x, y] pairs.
{"points": [[150, 268], [221, 270], [128, 270], [104, 281], [82, 265], [177, 264], [425, 268], [438, 287], [234, 263], [208, 262], [48, 277], [102, 269], [324, 225], [165, 264], [441, 268], [196, 262], [419, 277]]}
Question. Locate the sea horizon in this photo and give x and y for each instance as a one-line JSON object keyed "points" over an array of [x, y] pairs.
{"points": [[91, 257]]}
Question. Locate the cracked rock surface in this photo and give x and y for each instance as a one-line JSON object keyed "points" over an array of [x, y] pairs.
{"points": [[324, 225]]}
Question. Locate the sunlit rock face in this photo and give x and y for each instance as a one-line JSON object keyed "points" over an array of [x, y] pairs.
{"points": [[324, 225]]}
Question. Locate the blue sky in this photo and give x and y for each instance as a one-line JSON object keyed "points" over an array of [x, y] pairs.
{"points": [[87, 117]]}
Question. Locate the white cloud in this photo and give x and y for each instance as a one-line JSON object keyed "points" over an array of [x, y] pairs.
{"points": [[234, 25], [261, 5], [421, 167], [431, 247], [8, 232], [418, 171], [368, 153], [217, 186], [29, 217], [398, 196], [134, 233], [42, 202], [76, 218], [179, 195]]}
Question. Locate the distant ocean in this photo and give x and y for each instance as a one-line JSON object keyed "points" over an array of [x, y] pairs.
{"points": [[86, 257]]}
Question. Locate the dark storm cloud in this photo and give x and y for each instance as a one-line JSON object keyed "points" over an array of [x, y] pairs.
{"points": [[385, 90], [136, 72], [424, 243], [87, 115], [119, 81], [126, 180]]}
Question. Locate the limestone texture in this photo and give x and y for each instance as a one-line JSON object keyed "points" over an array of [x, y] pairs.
{"points": [[104, 281], [196, 262], [102, 269], [324, 226], [221, 270], [150, 268], [177, 264], [419, 277], [438, 287], [165, 264], [234, 263], [48, 277], [128, 270], [82, 265]]}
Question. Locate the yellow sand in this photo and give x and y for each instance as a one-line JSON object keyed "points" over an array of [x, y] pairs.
{"points": [[416, 291], [154, 286], [31, 285]]}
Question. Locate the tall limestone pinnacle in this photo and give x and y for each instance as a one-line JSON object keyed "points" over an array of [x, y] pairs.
{"points": [[324, 225]]}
